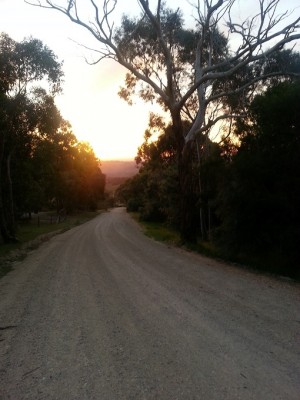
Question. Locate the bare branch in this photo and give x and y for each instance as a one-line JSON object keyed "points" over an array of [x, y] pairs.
{"points": [[261, 78], [246, 59], [173, 86], [213, 122], [168, 58]]}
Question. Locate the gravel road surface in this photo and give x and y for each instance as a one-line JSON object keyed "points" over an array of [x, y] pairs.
{"points": [[102, 312]]}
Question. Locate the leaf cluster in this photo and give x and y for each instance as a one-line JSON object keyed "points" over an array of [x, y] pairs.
{"points": [[27, 62], [41, 162]]}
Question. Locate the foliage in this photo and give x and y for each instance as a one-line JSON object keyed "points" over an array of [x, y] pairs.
{"points": [[259, 200], [61, 173], [202, 74], [25, 63], [249, 193], [158, 231], [41, 161], [153, 191], [139, 43]]}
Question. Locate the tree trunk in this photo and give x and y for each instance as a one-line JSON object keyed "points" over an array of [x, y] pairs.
{"points": [[201, 210], [3, 223], [11, 211], [187, 206]]}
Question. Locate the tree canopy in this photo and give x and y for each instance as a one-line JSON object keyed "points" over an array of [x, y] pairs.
{"points": [[202, 73], [41, 161], [258, 201], [249, 193]]}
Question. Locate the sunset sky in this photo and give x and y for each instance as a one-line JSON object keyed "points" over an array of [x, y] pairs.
{"points": [[89, 100]]}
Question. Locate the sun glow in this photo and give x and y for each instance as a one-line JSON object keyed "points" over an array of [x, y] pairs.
{"points": [[90, 101]]}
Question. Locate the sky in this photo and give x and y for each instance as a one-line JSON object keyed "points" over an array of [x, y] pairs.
{"points": [[90, 101]]}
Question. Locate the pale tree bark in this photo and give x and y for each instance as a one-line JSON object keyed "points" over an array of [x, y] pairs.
{"points": [[254, 35], [259, 36]]}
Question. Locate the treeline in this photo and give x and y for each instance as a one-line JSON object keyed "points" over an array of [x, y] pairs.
{"points": [[246, 189], [42, 164]]}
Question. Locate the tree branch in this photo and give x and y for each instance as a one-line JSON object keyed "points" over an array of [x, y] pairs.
{"points": [[248, 58], [248, 84]]}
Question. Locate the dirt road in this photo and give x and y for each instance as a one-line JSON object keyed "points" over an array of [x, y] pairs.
{"points": [[102, 312]]}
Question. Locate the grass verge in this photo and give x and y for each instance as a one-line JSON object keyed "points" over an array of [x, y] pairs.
{"points": [[157, 230], [267, 264]]}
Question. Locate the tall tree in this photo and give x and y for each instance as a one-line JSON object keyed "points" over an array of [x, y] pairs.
{"points": [[59, 173], [259, 197], [158, 174], [188, 71], [22, 108]]}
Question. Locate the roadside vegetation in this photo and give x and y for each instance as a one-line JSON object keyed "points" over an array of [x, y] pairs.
{"points": [[247, 188], [158, 231], [43, 167], [202, 71], [220, 165]]}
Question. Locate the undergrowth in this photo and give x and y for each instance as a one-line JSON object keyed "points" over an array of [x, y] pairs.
{"points": [[269, 264]]}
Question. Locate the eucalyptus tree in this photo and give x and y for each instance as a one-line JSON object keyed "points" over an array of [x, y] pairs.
{"points": [[258, 198], [23, 109], [197, 73]]}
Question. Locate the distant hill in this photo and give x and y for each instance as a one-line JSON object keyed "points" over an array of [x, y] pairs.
{"points": [[119, 169], [117, 172]]}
